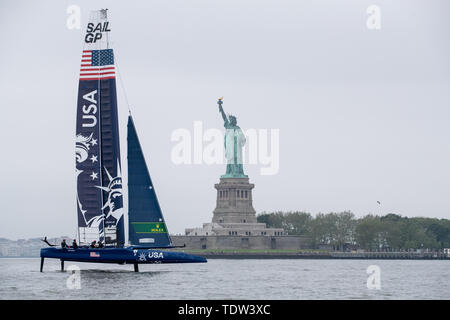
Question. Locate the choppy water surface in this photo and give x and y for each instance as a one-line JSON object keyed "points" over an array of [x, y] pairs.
{"points": [[228, 279]]}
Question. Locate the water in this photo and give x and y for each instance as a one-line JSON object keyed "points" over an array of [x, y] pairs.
{"points": [[228, 279]]}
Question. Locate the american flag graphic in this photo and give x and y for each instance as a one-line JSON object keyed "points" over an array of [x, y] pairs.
{"points": [[97, 65], [94, 254]]}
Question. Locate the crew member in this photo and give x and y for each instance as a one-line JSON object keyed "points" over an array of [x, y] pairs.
{"points": [[64, 244], [93, 244], [74, 244]]}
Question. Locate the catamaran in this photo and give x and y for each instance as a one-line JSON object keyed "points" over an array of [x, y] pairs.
{"points": [[98, 172]]}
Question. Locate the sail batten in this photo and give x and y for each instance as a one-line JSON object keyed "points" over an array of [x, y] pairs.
{"points": [[145, 220]]}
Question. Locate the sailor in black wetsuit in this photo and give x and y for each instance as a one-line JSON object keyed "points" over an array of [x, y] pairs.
{"points": [[64, 244], [74, 244], [93, 244], [100, 244]]}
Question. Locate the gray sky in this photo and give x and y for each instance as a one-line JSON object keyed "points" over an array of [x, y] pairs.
{"points": [[363, 114]]}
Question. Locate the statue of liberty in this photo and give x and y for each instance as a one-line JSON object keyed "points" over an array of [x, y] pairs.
{"points": [[234, 142]]}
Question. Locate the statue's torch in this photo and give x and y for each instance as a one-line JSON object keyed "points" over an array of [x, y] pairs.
{"points": [[219, 102]]}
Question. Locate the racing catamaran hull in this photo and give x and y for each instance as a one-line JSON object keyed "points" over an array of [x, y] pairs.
{"points": [[129, 255]]}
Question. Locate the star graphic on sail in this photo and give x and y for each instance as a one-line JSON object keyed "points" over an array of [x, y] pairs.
{"points": [[94, 175], [84, 147]]}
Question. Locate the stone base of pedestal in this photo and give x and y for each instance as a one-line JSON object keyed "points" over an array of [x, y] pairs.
{"points": [[242, 242]]}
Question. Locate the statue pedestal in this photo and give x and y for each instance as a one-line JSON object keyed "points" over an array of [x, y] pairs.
{"points": [[234, 214], [234, 202]]}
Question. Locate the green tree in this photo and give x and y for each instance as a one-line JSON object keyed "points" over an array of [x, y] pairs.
{"points": [[367, 232], [440, 233], [297, 223], [345, 229], [391, 232], [323, 229], [272, 220]]}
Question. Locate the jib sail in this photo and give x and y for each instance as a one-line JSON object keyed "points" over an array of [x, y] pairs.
{"points": [[146, 222], [99, 180]]}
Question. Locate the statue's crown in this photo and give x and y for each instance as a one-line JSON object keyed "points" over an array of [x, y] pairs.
{"points": [[116, 183]]}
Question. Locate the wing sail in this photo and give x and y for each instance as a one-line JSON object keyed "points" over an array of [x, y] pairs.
{"points": [[146, 222], [99, 180]]}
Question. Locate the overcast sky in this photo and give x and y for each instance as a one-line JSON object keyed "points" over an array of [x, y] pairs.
{"points": [[363, 114]]}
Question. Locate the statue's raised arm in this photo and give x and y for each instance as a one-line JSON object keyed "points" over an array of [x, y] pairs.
{"points": [[225, 119]]}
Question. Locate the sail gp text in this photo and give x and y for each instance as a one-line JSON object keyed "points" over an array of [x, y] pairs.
{"points": [[95, 33], [225, 309]]}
